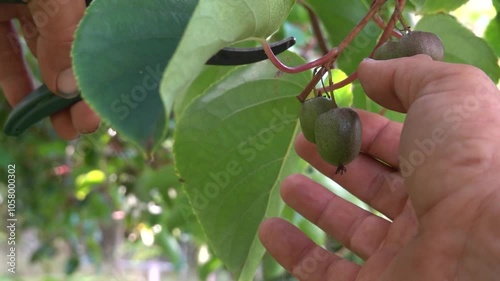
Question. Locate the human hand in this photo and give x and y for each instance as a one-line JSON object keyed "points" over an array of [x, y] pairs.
{"points": [[48, 28], [439, 185]]}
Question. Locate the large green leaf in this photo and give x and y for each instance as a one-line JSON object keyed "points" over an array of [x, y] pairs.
{"points": [[339, 18], [461, 45], [437, 6], [120, 51], [496, 4], [214, 25], [207, 77], [233, 146], [492, 34]]}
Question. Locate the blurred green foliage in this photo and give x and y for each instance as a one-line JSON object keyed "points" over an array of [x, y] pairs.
{"points": [[101, 197]]}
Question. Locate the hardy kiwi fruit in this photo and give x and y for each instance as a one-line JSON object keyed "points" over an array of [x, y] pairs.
{"points": [[338, 137], [387, 51], [309, 112], [411, 44]]}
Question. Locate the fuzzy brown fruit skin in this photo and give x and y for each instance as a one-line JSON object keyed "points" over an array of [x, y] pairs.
{"points": [[389, 50], [420, 42], [411, 44], [309, 112], [338, 137]]}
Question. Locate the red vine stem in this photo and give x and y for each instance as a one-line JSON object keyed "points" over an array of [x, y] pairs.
{"points": [[385, 35], [330, 57], [351, 78], [391, 24], [375, 7], [382, 25], [296, 69], [316, 27]]}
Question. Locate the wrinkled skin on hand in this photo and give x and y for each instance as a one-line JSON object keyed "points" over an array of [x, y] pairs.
{"points": [[440, 186], [48, 28]]}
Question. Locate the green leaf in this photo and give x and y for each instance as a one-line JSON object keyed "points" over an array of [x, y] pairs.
{"points": [[437, 6], [339, 18], [496, 4], [207, 77], [461, 45], [271, 269], [71, 265], [233, 146], [171, 249], [492, 34], [206, 269], [214, 25], [119, 58]]}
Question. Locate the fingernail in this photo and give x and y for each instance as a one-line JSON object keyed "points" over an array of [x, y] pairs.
{"points": [[66, 84], [90, 131], [368, 59]]}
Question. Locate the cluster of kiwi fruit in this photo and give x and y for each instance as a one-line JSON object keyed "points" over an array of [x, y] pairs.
{"points": [[411, 43], [337, 131]]}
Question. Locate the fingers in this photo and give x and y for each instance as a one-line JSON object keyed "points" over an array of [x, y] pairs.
{"points": [[396, 84], [79, 119], [14, 77], [380, 137], [371, 181], [56, 23], [29, 29], [63, 125], [299, 255], [357, 229], [84, 119]]}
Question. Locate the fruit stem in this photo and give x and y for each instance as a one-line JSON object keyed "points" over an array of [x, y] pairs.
{"points": [[402, 20], [335, 86], [390, 25], [316, 27], [330, 81], [396, 33], [311, 85], [376, 5], [388, 31], [341, 170], [330, 58]]}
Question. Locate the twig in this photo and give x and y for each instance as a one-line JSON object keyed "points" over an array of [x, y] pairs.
{"points": [[351, 78], [316, 27], [311, 85], [296, 69], [382, 25], [330, 81], [375, 7], [385, 35]]}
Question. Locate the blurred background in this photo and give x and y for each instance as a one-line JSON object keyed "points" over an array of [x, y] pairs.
{"points": [[96, 209]]}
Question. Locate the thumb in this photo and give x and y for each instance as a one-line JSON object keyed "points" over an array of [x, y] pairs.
{"points": [[56, 22], [396, 84]]}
